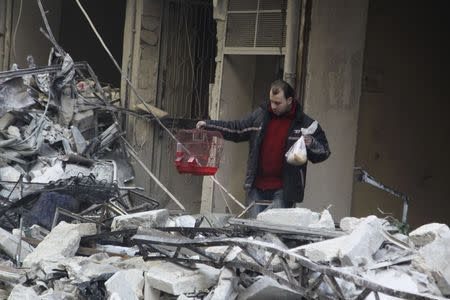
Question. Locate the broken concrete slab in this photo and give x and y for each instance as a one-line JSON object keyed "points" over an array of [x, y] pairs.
{"points": [[151, 293], [434, 258], [63, 241], [226, 287], [267, 289], [9, 244], [325, 221], [427, 233], [218, 251], [50, 174], [86, 269], [176, 280], [323, 252], [392, 278], [146, 219], [20, 292], [362, 243], [127, 284], [184, 221], [289, 216], [9, 173]]}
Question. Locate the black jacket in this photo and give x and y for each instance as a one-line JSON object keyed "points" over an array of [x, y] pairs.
{"points": [[252, 129]]}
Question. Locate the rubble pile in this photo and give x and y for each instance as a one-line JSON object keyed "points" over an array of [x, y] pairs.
{"points": [[60, 146], [157, 254]]}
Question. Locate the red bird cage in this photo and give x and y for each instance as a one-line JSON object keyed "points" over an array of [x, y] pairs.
{"points": [[198, 152]]}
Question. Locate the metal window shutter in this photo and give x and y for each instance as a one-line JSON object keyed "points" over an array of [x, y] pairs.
{"points": [[256, 24]]}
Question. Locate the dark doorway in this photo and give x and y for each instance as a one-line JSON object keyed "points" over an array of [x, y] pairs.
{"points": [[78, 39]]}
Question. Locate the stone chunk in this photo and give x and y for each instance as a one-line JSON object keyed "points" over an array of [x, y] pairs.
{"points": [[325, 221], [9, 243], [127, 284], [362, 243], [268, 289], [146, 219], [394, 279], [325, 251], [226, 288], [436, 256], [20, 292], [427, 233], [349, 223], [63, 241], [185, 221], [289, 216], [175, 280]]}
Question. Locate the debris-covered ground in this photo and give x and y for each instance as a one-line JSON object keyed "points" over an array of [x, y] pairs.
{"points": [[156, 255]]}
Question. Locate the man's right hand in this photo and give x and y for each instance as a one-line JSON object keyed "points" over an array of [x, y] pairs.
{"points": [[200, 124]]}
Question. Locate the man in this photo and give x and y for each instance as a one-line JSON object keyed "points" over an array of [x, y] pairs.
{"points": [[271, 130]]}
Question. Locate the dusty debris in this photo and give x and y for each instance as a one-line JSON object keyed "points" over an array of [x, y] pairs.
{"points": [[267, 288], [62, 242], [147, 219], [428, 233]]}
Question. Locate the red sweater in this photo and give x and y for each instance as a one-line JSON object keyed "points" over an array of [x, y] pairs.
{"points": [[272, 151]]}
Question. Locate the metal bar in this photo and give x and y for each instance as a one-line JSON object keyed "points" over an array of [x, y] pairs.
{"points": [[332, 283], [364, 294], [155, 238], [147, 170], [285, 229]]}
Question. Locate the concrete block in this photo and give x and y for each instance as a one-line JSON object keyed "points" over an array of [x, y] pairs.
{"points": [[63, 241], [9, 242], [226, 287], [9, 173], [362, 243], [326, 251], [150, 22], [127, 284], [175, 280], [184, 221], [427, 233], [349, 223], [325, 221], [87, 269], [289, 216], [268, 289], [436, 256], [50, 174], [151, 293], [14, 132], [146, 219], [217, 251], [149, 37], [20, 292], [391, 278]]}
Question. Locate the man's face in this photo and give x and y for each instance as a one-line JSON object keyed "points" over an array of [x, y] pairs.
{"points": [[280, 105]]}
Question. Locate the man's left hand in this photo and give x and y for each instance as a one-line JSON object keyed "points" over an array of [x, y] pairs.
{"points": [[308, 140]]}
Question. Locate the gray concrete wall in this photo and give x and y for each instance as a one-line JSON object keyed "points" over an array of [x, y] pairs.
{"points": [[235, 103], [403, 125], [334, 70]]}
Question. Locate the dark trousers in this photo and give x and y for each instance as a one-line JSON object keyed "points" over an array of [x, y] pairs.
{"points": [[276, 196]]}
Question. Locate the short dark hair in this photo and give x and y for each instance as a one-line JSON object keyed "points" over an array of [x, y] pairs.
{"points": [[281, 85]]}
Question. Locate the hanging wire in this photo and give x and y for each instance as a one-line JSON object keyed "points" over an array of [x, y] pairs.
{"points": [[15, 30], [133, 89]]}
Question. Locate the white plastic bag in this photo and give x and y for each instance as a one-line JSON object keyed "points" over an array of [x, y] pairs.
{"points": [[297, 154]]}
